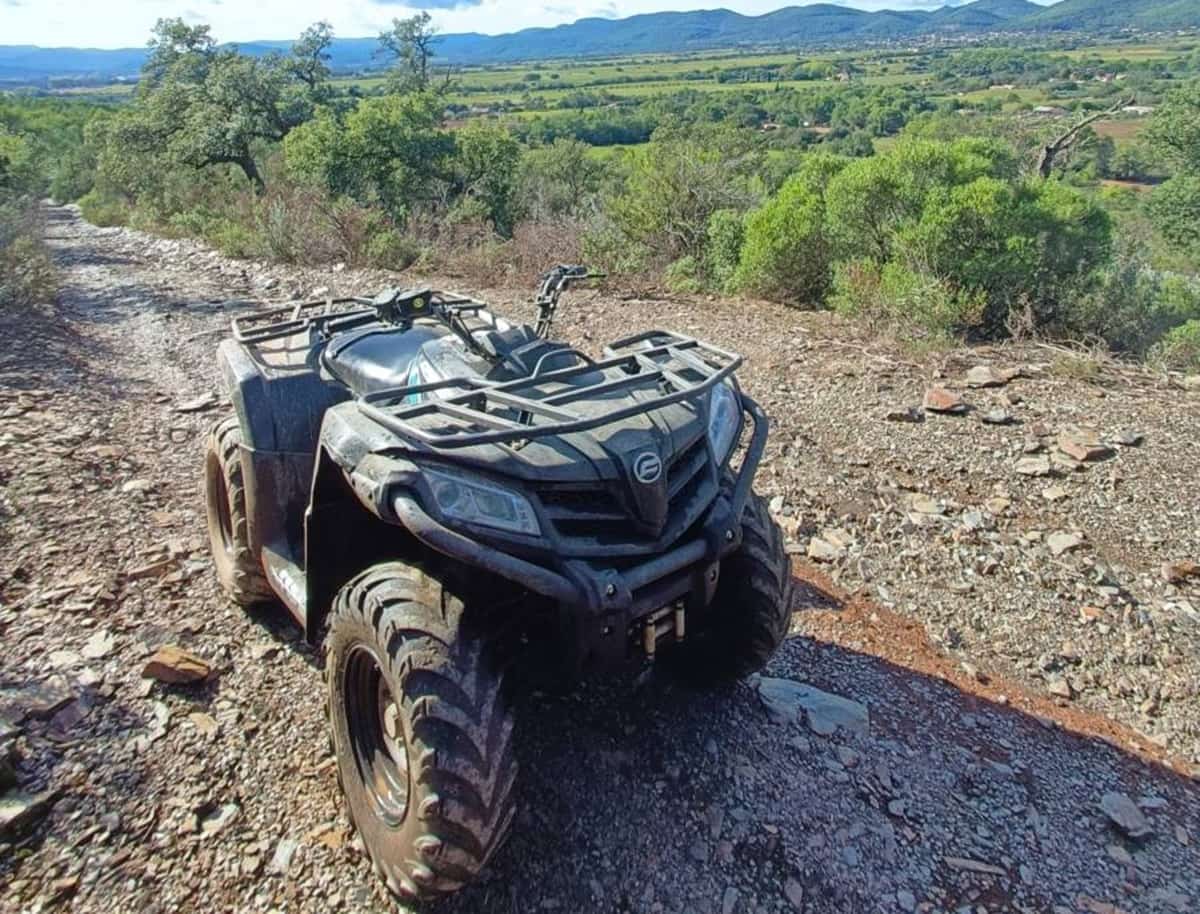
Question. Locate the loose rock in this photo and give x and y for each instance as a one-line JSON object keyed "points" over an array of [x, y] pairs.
{"points": [[174, 665]]}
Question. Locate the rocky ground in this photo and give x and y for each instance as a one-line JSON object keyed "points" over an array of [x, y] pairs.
{"points": [[989, 703]]}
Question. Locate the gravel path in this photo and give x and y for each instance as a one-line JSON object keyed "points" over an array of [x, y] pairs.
{"points": [[1014, 689]]}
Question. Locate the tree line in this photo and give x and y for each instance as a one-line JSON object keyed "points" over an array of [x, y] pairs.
{"points": [[946, 230]]}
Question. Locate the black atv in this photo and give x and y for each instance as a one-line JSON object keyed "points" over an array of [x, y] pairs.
{"points": [[434, 492]]}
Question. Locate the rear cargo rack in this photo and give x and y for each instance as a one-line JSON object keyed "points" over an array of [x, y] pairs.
{"points": [[330, 316], [465, 412]]}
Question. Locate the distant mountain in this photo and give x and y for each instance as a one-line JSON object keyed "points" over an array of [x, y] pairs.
{"points": [[982, 15], [1091, 15], [651, 33]]}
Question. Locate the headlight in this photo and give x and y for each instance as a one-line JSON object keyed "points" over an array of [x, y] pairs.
{"points": [[476, 501], [724, 420]]}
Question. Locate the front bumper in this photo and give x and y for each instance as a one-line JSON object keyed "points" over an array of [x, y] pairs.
{"points": [[607, 593]]}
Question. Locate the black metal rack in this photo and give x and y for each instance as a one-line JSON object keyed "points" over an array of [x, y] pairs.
{"points": [[330, 316], [678, 368]]}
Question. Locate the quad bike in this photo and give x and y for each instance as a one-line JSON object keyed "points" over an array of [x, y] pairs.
{"points": [[431, 490]]}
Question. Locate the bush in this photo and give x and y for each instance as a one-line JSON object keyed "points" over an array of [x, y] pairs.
{"points": [[896, 296], [1175, 209], [685, 275], [389, 250], [233, 239], [1131, 307], [786, 254], [100, 209], [723, 250], [675, 184], [1180, 348], [27, 273]]}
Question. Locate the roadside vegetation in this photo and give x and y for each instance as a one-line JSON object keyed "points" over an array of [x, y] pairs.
{"points": [[940, 194]]}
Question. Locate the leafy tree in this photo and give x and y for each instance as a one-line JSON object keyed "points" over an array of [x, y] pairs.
{"points": [[558, 178], [1175, 209], [410, 43], [485, 167], [309, 63], [199, 105], [389, 151], [1174, 131], [675, 184], [18, 172]]}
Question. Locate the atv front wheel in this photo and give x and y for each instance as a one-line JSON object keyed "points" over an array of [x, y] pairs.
{"points": [[751, 612], [240, 574], [420, 728]]}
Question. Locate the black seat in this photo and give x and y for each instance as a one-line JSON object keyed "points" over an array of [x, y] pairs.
{"points": [[378, 358], [521, 352]]}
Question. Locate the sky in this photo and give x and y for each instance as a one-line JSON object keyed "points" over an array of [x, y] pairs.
{"points": [[127, 23]]}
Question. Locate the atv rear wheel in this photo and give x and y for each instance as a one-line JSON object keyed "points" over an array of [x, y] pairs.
{"points": [[751, 611], [420, 728], [239, 572]]}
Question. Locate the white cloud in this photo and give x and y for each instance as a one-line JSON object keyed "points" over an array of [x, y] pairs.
{"points": [[127, 23]]}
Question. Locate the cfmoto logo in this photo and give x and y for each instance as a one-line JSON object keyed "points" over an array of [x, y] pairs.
{"points": [[647, 467]]}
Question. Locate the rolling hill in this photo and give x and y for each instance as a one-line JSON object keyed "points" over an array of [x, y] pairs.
{"points": [[673, 32]]}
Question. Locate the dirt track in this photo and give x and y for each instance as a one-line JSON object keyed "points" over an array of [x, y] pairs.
{"points": [[976, 789]]}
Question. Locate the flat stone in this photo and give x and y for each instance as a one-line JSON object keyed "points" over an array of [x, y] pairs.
{"points": [[1055, 493], [821, 551], [35, 699], [793, 891], [986, 376], [787, 701], [1033, 466], [1130, 439], [1059, 687], [174, 665], [217, 819], [1125, 815], [975, 866], [20, 810], [98, 646], [729, 900], [197, 404], [281, 860], [924, 504], [1083, 444], [1062, 542], [941, 400], [996, 417], [906, 900]]}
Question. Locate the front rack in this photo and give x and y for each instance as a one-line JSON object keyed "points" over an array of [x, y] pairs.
{"points": [[676, 368]]}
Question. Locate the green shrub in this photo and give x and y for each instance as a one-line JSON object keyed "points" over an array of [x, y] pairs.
{"points": [[100, 209], [390, 250], [1175, 209], [233, 239], [685, 275], [897, 296], [27, 272], [726, 233], [1131, 306], [786, 254], [1180, 348]]}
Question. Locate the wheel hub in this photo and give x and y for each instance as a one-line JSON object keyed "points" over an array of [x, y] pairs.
{"points": [[377, 736]]}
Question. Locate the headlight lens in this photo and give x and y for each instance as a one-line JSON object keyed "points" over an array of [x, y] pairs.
{"points": [[724, 420], [476, 501]]}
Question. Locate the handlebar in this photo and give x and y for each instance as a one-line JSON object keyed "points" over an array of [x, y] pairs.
{"points": [[554, 282]]}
